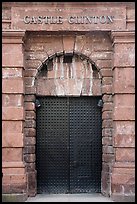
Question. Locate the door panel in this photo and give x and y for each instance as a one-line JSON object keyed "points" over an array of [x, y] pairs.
{"points": [[68, 145], [85, 145], [52, 143]]}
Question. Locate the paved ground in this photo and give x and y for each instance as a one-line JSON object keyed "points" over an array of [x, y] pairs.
{"points": [[69, 198]]}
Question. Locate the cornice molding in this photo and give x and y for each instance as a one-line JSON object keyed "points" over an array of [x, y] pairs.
{"points": [[13, 37], [122, 37]]}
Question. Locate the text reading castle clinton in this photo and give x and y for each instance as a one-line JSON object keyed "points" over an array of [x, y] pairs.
{"points": [[105, 19]]}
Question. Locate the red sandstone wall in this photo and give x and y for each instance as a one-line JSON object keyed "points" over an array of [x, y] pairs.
{"points": [[114, 58]]}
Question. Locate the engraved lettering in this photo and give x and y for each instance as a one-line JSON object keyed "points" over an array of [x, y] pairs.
{"points": [[71, 19], [40, 19], [60, 20], [110, 19], [33, 20], [88, 19], [95, 19], [26, 19], [102, 19]]}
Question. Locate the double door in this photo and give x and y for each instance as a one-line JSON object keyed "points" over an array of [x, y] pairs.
{"points": [[68, 145]]}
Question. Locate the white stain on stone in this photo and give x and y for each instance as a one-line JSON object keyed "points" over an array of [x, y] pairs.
{"points": [[91, 79], [73, 66], [61, 67], [55, 67], [33, 81]]}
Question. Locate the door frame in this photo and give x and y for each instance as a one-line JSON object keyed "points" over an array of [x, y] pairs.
{"points": [[69, 98]]}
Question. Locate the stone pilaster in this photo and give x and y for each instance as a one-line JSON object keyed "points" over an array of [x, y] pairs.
{"points": [[14, 180], [123, 177]]}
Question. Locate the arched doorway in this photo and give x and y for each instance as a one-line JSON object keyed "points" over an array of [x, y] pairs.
{"points": [[69, 128]]}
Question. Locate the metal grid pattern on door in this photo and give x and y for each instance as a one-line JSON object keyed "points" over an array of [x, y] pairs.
{"points": [[52, 143], [85, 145], [68, 145]]}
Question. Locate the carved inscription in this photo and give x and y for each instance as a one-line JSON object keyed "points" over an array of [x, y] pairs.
{"points": [[71, 19]]}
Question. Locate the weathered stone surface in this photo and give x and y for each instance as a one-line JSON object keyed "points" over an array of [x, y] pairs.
{"points": [[12, 127], [29, 149], [124, 80], [29, 158], [12, 55], [13, 113], [124, 140], [108, 106], [115, 63], [105, 185], [15, 152], [32, 183], [125, 154], [106, 132], [30, 132], [30, 166], [14, 170], [13, 86], [119, 21], [30, 115], [29, 106], [12, 72], [124, 127], [68, 44], [107, 141], [124, 55], [13, 100], [108, 149], [12, 140], [30, 140], [107, 157], [30, 123]]}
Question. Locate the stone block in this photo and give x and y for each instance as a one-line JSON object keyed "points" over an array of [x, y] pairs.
{"points": [[125, 154], [124, 113], [12, 127], [14, 100], [107, 89], [13, 113], [30, 115], [106, 72], [124, 128], [107, 115], [107, 141], [124, 140], [15, 152], [30, 123], [30, 72], [29, 150], [29, 158], [79, 43], [12, 55], [11, 72], [68, 44], [12, 140], [29, 106], [30, 140], [13, 86], [124, 80], [32, 182], [29, 132], [124, 55]]}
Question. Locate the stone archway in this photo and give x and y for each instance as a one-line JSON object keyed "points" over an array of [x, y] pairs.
{"points": [[41, 51], [62, 82]]}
